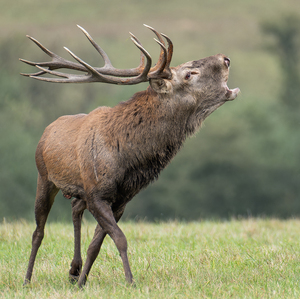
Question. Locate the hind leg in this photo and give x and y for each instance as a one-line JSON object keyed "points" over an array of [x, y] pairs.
{"points": [[95, 247], [78, 207], [46, 192], [92, 254]]}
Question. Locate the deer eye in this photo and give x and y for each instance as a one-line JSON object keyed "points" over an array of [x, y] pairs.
{"points": [[188, 75]]}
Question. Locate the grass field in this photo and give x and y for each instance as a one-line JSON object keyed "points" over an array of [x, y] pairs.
{"points": [[251, 258]]}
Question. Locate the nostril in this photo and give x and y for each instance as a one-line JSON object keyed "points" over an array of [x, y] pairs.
{"points": [[227, 61]]}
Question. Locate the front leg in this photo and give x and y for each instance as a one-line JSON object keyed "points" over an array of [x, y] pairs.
{"points": [[78, 207]]}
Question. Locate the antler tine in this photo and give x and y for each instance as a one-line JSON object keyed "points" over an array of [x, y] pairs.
{"points": [[44, 49], [170, 50], [108, 68], [48, 71], [33, 74], [28, 62], [142, 59], [55, 63], [94, 74], [33, 64], [105, 57], [158, 68], [163, 64], [149, 60]]}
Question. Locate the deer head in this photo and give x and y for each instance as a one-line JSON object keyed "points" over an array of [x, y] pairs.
{"points": [[198, 85]]}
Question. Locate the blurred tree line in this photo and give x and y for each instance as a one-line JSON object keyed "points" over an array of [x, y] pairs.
{"points": [[235, 170]]}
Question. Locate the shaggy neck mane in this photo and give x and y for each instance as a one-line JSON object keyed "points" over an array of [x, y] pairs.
{"points": [[145, 137]]}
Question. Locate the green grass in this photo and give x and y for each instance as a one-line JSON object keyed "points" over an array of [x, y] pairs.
{"points": [[251, 258]]}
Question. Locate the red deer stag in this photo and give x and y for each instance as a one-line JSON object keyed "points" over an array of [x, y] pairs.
{"points": [[104, 158]]}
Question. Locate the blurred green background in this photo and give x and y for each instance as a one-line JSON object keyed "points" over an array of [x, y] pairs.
{"points": [[245, 160]]}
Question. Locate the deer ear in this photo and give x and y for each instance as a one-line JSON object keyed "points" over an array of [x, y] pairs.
{"points": [[161, 85]]}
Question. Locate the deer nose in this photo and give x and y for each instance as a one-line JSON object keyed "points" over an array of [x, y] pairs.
{"points": [[227, 61]]}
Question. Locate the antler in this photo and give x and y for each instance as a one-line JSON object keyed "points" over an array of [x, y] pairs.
{"points": [[107, 73]]}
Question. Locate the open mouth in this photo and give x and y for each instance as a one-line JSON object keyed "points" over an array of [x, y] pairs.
{"points": [[231, 94]]}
